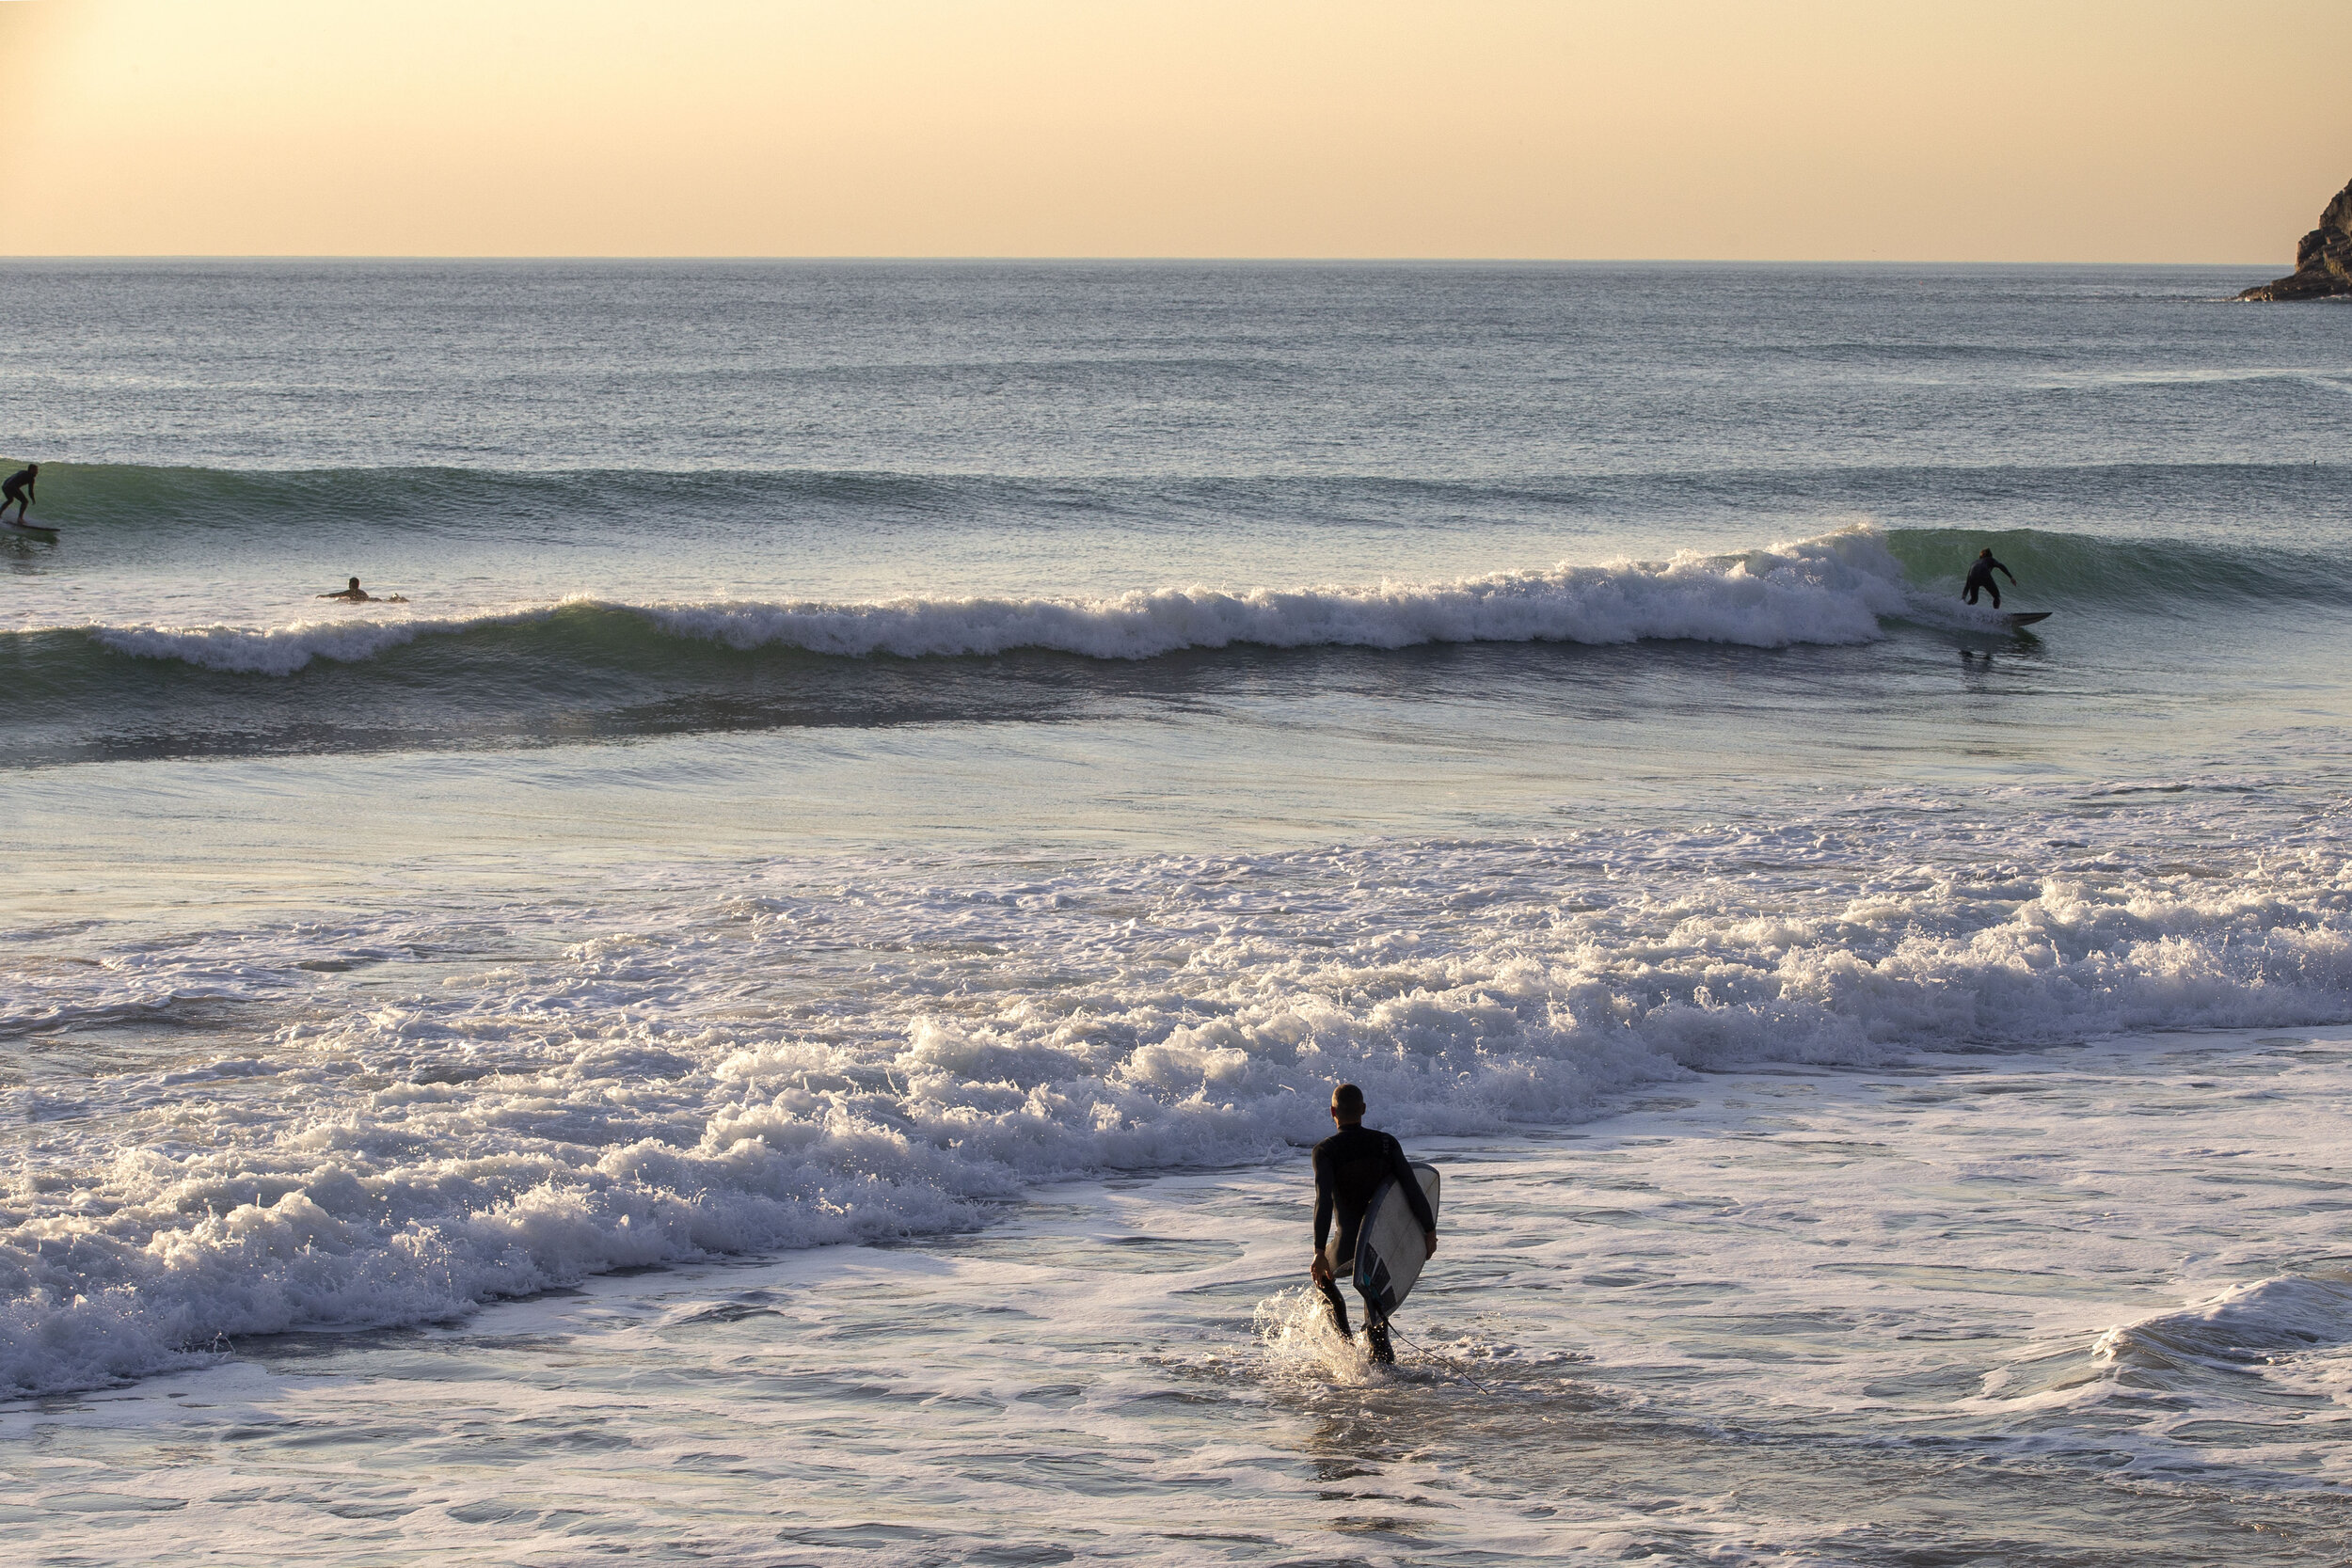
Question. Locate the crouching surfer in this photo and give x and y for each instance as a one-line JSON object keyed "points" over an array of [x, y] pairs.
{"points": [[1350, 1167], [17, 491], [1980, 578]]}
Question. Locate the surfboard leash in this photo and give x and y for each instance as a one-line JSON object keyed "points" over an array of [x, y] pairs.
{"points": [[1447, 1362]]}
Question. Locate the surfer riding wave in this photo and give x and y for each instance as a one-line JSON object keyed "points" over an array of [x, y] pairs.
{"points": [[17, 491], [1980, 578], [1351, 1166]]}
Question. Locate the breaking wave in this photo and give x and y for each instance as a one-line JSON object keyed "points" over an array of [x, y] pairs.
{"points": [[1831, 590], [1835, 589], [2241, 1326]]}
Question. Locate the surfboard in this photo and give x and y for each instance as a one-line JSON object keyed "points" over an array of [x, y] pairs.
{"points": [[1390, 1250], [2028, 618], [31, 531]]}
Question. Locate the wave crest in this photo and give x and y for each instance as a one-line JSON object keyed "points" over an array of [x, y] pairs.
{"points": [[1830, 590]]}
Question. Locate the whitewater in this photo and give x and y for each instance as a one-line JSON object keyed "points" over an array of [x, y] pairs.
{"points": [[1830, 590], [773, 1012], [669, 1089]]}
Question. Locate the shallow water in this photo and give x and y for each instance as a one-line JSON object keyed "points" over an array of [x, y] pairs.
{"points": [[1994, 1307]]}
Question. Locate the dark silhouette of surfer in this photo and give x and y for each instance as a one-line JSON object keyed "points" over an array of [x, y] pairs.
{"points": [[356, 594], [17, 490], [1980, 578], [1350, 1167]]}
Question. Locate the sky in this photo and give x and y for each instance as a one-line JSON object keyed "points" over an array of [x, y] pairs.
{"points": [[1798, 130]]}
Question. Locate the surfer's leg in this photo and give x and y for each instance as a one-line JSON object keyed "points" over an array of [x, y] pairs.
{"points": [[1337, 1304], [1996, 592], [1376, 1331]]}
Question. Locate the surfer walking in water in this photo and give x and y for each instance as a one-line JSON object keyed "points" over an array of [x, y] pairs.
{"points": [[16, 489], [1351, 1165], [1980, 578]]}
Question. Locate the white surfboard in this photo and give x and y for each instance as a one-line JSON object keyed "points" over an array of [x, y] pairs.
{"points": [[1390, 1250]]}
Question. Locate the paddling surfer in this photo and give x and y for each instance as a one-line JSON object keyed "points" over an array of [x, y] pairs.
{"points": [[1980, 578], [17, 490], [356, 594], [1350, 1167]]}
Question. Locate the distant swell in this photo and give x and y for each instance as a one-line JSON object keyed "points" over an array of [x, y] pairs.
{"points": [[125, 501]]}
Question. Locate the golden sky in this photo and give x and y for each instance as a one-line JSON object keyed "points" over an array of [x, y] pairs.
{"points": [[2094, 131]]}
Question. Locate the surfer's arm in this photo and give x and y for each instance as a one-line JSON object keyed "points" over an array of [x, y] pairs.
{"points": [[1321, 1267], [2006, 572], [1323, 1205]]}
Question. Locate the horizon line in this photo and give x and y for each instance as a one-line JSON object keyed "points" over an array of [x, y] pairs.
{"points": [[977, 259]]}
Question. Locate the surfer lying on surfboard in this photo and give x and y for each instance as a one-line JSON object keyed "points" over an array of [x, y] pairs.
{"points": [[1980, 578], [1351, 1166], [358, 595]]}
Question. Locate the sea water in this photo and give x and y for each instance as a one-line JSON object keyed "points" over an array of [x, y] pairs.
{"points": [[772, 1010]]}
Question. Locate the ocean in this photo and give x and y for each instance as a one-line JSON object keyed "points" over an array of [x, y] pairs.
{"points": [[769, 1008]]}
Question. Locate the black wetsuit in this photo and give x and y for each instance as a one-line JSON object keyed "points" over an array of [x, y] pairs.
{"points": [[1350, 1164], [12, 491], [1980, 578]]}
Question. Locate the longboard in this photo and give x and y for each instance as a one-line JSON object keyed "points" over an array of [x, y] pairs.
{"points": [[1390, 1250], [31, 531], [2028, 617]]}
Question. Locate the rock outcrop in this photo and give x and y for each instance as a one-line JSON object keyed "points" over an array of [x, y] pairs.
{"points": [[2323, 257]]}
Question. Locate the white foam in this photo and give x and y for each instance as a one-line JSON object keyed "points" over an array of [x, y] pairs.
{"points": [[1869, 1272], [1301, 1342], [283, 650], [808, 1054], [1827, 590]]}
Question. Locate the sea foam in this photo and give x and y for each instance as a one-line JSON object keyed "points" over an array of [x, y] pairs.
{"points": [[803, 1055], [1828, 589]]}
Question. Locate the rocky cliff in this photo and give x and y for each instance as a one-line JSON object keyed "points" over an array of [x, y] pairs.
{"points": [[2323, 259]]}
